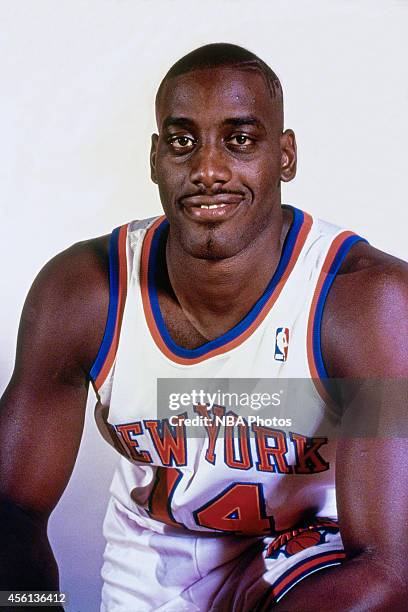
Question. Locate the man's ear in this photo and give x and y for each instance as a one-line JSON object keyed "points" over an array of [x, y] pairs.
{"points": [[288, 155], [153, 151]]}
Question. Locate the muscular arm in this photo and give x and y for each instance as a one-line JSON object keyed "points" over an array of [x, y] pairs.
{"points": [[365, 333], [42, 410]]}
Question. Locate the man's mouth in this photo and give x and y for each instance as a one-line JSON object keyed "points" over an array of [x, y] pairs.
{"points": [[211, 207]]}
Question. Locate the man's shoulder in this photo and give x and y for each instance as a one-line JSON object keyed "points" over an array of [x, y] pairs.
{"points": [[69, 299], [80, 269], [365, 329], [369, 273]]}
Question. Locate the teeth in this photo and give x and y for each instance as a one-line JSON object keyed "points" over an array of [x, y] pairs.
{"points": [[211, 206]]}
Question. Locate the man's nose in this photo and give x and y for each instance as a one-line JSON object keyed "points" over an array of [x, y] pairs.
{"points": [[210, 166]]}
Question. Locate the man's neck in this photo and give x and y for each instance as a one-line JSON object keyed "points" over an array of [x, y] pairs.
{"points": [[215, 295]]}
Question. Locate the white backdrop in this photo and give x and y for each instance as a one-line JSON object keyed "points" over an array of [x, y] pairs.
{"points": [[78, 80]]}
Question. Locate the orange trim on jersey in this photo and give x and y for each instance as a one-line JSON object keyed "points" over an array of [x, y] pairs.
{"points": [[311, 357], [306, 568], [122, 293], [229, 345]]}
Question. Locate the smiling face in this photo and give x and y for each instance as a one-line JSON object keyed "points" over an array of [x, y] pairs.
{"points": [[219, 159]]}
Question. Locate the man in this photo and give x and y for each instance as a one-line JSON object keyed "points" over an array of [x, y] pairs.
{"points": [[212, 522]]}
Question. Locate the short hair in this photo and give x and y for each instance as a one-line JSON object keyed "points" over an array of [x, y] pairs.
{"points": [[224, 54]]}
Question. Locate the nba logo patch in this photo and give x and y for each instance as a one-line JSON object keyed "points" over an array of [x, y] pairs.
{"points": [[281, 343]]}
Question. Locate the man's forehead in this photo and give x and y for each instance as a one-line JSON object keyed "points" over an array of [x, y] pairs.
{"points": [[232, 89]]}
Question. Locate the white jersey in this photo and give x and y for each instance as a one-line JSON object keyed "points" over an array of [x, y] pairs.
{"points": [[233, 517], [246, 479]]}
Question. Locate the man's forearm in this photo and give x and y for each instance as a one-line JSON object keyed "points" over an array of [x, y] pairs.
{"points": [[26, 558], [364, 583]]}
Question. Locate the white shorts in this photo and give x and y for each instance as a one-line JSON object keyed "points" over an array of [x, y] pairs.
{"points": [[150, 566]]}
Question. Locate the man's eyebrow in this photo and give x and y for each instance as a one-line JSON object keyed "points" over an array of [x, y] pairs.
{"points": [[179, 121], [238, 121]]}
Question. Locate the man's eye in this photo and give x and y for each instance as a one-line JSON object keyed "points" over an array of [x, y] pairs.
{"points": [[241, 140], [181, 142]]}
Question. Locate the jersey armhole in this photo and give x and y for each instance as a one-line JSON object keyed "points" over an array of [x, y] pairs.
{"points": [[117, 298], [337, 253]]}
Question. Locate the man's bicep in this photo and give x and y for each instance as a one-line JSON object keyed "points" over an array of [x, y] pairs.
{"points": [[372, 486]]}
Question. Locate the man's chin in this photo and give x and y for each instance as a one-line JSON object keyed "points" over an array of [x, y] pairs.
{"points": [[212, 245]]}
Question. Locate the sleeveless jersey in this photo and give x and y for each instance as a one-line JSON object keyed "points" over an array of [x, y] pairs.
{"points": [[249, 479]]}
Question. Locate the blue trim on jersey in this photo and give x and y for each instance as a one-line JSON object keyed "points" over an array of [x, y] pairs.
{"points": [[237, 330], [317, 324], [113, 305]]}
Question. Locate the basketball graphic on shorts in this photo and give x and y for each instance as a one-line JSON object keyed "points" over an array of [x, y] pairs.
{"points": [[302, 541]]}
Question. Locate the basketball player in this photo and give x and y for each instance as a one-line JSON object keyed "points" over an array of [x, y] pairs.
{"points": [[228, 284]]}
